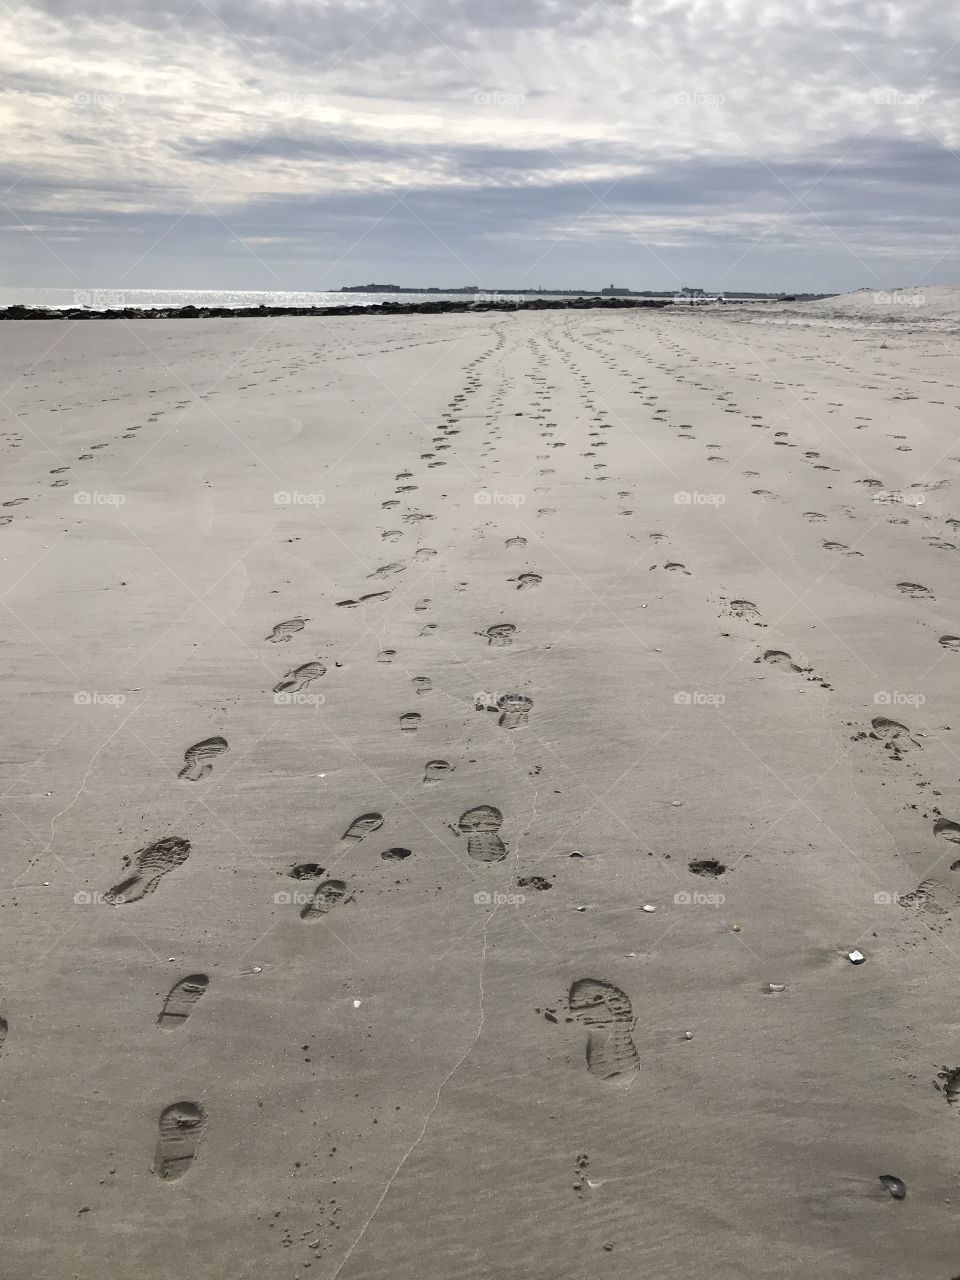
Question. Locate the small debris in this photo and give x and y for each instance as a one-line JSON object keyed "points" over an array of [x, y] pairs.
{"points": [[688, 1035], [896, 1186], [648, 907], [775, 986], [856, 957]]}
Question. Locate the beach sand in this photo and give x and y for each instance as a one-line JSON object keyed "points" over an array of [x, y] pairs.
{"points": [[702, 566]]}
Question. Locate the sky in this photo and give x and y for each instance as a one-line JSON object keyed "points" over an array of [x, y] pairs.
{"points": [[266, 144]]}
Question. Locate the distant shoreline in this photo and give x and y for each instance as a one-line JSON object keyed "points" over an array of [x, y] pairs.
{"points": [[438, 307]]}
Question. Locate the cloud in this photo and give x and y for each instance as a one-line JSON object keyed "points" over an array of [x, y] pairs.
{"points": [[347, 133]]}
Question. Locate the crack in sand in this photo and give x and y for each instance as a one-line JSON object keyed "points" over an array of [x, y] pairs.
{"points": [[436, 1103], [83, 782]]}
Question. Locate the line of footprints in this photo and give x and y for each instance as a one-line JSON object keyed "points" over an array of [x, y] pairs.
{"points": [[603, 1009]]}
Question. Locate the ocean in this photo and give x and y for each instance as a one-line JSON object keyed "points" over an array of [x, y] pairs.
{"points": [[113, 299]]}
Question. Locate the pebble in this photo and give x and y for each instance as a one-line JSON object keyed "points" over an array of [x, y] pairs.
{"points": [[648, 907], [856, 957], [896, 1186], [776, 986], [688, 1035]]}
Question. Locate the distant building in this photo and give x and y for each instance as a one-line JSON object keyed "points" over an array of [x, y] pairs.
{"points": [[691, 293], [615, 291]]}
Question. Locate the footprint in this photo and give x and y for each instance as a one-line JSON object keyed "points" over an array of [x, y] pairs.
{"points": [[325, 897], [425, 553], [894, 735], [182, 1125], [501, 634], [386, 655], [422, 684], [915, 591], [396, 855], [299, 677], [199, 758], [528, 580], [516, 542], [152, 863], [481, 826], [514, 709], [744, 609], [707, 867], [283, 631], [410, 721], [778, 658], [607, 1012], [180, 1000], [434, 770], [951, 642], [363, 826], [305, 871], [815, 517], [947, 828], [386, 570]]}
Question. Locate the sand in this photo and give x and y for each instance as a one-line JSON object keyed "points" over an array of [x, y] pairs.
{"points": [[354, 979]]}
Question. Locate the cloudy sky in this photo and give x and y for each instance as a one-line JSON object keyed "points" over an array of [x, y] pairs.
{"points": [[302, 144]]}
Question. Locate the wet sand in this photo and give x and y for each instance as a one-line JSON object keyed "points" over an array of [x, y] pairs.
{"points": [[365, 682]]}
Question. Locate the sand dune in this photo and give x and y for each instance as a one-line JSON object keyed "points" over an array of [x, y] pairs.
{"points": [[447, 764]]}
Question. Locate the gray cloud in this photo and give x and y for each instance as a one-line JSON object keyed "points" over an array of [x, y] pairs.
{"points": [[245, 143]]}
